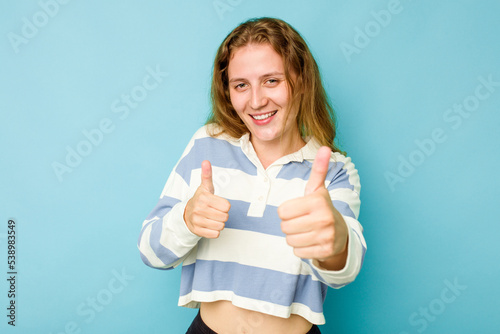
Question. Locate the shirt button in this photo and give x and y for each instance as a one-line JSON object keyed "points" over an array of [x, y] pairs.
{"points": [[261, 198], [266, 179]]}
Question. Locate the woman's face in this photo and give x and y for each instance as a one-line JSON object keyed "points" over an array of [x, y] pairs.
{"points": [[260, 94]]}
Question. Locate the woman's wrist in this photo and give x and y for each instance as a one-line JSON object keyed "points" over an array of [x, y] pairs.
{"points": [[335, 262]]}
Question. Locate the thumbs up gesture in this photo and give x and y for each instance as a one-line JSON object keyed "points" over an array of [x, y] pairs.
{"points": [[205, 214], [312, 225]]}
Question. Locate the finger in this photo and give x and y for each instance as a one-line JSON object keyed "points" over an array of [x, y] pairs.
{"points": [[214, 214], [208, 233], [211, 224], [319, 170], [301, 206], [206, 176], [294, 208], [312, 252], [302, 239], [219, 203], [303, 224]]}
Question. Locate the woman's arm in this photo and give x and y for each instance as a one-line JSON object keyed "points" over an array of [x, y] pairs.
{"points": [[322, 226], [165, 240]]}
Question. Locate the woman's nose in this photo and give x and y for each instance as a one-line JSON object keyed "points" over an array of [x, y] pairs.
{"points": [[258, 98]]}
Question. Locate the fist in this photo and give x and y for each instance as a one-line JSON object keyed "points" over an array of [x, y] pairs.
{"points": [[312, 225], [206, 214]]}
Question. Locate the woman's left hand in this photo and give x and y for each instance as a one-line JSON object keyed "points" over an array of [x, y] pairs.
{"points": [[312, 225]]}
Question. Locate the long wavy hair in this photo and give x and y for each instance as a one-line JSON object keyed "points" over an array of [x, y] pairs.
{"points": [[315, 115]]}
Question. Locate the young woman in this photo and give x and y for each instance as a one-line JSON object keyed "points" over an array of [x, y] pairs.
{"points": [[262, 207]]}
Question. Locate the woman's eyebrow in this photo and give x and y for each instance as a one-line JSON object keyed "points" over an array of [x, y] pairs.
{"points": [[261, 77]]}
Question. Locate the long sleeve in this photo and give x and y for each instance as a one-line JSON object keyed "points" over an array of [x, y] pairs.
{"points": [[250, 263], [164, 239], [344, 188]]}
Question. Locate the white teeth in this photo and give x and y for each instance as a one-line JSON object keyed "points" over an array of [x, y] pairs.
{"points": [[261, 117]]}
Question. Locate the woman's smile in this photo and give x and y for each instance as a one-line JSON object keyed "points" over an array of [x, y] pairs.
{"points": [[260, 95]]}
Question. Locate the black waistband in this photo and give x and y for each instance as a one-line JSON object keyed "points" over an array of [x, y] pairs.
{"points": [[199, 327]]}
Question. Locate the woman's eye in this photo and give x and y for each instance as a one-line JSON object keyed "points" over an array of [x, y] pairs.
{"points": [[240, 86], [272, 81]]}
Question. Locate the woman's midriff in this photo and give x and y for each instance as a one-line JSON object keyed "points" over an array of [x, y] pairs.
{"points": [[225, 318]]}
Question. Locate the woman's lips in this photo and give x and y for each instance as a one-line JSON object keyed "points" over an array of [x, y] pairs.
{"points": [[262, 117]]}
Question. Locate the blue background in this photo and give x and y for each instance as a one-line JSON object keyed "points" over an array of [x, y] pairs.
{"points": [[437, 225]]}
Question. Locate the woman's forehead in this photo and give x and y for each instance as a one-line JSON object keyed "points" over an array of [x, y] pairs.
{"points": [[254, 60]]}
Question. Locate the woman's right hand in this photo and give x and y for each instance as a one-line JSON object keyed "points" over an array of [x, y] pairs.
{"points": [[205, 214]]}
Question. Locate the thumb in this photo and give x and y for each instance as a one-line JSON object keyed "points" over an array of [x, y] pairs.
{"points": [[206, 176], [319, 170]]}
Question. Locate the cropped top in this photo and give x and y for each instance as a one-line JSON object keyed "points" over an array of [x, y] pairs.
{"points": [[250, 263]]}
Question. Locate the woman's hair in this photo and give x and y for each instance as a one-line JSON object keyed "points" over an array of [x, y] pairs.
{"points": [[315, 115]]}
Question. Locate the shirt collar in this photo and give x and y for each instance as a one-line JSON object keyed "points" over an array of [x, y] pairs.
{"points": [[307, 152]]}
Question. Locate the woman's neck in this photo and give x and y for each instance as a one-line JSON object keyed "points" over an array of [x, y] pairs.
{"points": [[269, 152]]}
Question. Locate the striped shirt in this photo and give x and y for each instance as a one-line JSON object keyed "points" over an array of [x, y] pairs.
{"points": [[250, 263]]}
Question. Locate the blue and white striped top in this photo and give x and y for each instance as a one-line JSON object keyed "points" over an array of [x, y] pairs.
{"points": [[250, 263]]}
